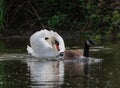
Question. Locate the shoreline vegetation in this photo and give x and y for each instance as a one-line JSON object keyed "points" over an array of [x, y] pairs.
{"points": [[71, 19], [65, 34]]}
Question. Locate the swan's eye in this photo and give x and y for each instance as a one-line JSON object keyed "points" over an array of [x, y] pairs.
{"points": [[46, 38]]}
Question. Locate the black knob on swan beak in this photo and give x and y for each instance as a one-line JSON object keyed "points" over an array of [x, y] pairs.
{"points": [[61, 54]]}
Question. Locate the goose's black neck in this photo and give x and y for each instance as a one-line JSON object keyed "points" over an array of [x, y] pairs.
{"points": [[86, 50]]}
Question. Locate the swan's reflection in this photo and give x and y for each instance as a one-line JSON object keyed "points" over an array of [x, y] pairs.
{"points": [[47, 74]]}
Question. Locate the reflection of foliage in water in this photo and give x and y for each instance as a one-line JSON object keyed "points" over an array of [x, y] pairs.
{"points": [[14, 74], [14, 46], [2, 46], [2, 14]]}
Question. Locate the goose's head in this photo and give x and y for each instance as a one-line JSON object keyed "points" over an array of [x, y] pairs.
{"points": [[90, 42], [46, 43], [87, 44]]}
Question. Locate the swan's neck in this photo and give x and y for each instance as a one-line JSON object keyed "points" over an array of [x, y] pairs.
{"points": [[86, 50]]}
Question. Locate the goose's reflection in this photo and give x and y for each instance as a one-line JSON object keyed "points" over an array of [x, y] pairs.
{"points": [[78, 74], [73, 68], [47, 74], [76, 68]]}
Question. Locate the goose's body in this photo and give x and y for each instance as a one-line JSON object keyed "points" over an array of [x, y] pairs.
{"points": [[46, 44], [74, 54]]}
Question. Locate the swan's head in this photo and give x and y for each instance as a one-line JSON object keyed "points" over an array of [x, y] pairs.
{"points": [[52, 39]]}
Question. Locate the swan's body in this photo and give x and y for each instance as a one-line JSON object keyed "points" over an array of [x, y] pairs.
{"points": [[46, 44]]}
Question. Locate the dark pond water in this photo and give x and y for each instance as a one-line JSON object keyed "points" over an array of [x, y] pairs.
{"points": [[20, 70]]}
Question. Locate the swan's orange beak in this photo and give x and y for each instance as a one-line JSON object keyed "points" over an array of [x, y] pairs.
{"points": [[57, 45], [58, 48]]}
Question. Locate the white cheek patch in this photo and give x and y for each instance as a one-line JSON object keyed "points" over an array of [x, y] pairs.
{"points": [[88, 43]]}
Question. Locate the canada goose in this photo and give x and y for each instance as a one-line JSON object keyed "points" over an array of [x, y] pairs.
{"points": [[73, 54]]}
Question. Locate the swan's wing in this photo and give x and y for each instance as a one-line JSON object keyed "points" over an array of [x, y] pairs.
{"points": [[30, 50]]}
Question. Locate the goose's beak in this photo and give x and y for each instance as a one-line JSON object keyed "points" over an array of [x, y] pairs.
{"points": [[92, 42]]}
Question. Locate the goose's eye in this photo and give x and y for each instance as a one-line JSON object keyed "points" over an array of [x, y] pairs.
{"points": [[46, 38]]}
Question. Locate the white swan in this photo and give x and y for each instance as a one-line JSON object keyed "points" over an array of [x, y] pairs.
{"points": [[46, 44]]}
